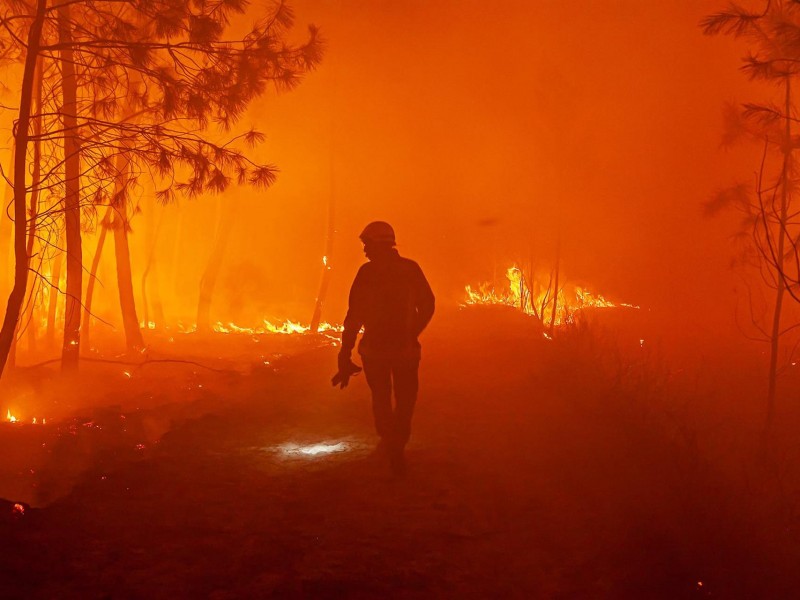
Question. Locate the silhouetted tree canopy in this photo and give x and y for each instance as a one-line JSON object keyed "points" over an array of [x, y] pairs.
{"points": [[153, 76]]}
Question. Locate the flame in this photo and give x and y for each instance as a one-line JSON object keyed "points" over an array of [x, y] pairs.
{"points": [[534, 296], [13, 419], [287, 327]]}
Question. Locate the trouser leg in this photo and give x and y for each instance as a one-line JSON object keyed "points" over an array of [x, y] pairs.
{"points": [[379, 379], [405, 374]]}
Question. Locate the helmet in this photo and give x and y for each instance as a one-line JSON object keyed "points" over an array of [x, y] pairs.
{"points": [[378, 232]]}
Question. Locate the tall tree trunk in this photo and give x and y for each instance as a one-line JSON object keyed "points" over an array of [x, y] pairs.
{"points": [[158, 304], [209, 280], [130, 322], [7, 228], [175, 267], [555, 289], [21, 137], [324, 282], [33, 215], [780, 252], [28, 322], [152, 268], [326, 266], [55, 290], [98, 252], [70, 351]]}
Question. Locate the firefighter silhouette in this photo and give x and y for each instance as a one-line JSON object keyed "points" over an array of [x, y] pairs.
{"points": [[391, 299]]}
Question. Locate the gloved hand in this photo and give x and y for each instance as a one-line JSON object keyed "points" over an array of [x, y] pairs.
{"points": [[347, 368]]}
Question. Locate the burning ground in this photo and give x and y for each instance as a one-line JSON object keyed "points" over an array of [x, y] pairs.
{"points": [[586, 466]]}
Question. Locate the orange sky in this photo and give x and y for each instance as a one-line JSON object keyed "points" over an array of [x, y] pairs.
{"points": [[605, 117]]}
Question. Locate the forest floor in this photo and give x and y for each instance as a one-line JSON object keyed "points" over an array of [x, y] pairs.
{"points": [[578, 468]]}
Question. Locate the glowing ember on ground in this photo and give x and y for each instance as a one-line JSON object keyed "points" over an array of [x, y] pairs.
{"points": [[534, 296], [18, 509]]}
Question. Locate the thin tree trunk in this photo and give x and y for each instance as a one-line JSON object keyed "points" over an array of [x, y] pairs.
{"points": [[7, 227], [21, 137], [781, 288], [316, 317], [209, 280], [70, 351], [130, 322], [98, 252], [152, 267], [176, 256], [55, 290], [319, 304], [158, 304], [555, 289], [121, 227], [27, 321]]}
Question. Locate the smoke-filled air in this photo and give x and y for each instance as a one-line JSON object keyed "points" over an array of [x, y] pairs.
{"points": [[399, 299]]}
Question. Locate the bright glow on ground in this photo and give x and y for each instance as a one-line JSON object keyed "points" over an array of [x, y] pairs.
{"points": [[313, 449]]}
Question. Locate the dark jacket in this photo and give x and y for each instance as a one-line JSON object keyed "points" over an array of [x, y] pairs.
{"points": [[392, 300]]}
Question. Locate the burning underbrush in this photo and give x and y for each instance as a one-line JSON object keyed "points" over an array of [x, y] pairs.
{"points": [[538, 294]]}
